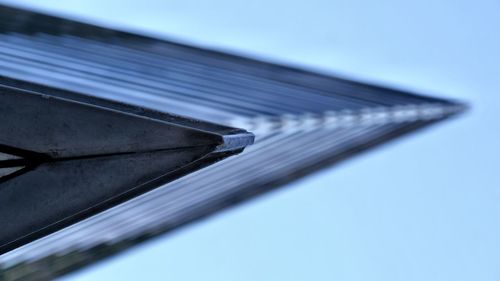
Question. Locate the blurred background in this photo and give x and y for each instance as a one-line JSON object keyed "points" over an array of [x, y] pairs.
{"points": [[426, 207]]}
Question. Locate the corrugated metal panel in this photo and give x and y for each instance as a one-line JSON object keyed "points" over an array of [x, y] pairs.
{"points": [[303, 121]]}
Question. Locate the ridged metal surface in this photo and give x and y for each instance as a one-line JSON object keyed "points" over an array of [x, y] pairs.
{"points": [[303, 121]]}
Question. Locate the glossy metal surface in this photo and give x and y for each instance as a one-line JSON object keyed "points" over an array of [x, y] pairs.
{"points": [[67, 156], [303, 121]]}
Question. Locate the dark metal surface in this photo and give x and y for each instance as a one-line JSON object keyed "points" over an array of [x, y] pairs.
{"points": [[68, 156], [303, 122]]}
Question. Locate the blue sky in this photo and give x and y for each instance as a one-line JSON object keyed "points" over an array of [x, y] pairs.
{"points": [[426, 207]]}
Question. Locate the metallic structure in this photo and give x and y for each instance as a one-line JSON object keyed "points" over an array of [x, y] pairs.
{"points": [[103, 135], [58, 139]]}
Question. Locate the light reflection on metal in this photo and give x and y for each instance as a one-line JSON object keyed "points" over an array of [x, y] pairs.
{"points": [[303, 121], [84, 155]]}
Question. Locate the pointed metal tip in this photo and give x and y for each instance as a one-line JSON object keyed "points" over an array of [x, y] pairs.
{"points": [[236, 141], [457, 108]]}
